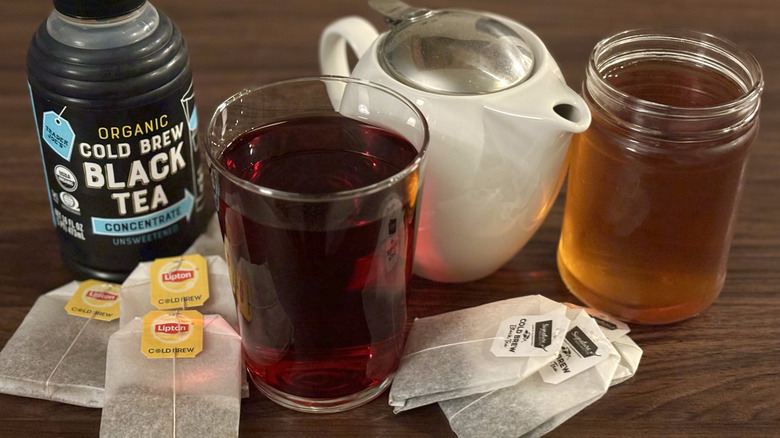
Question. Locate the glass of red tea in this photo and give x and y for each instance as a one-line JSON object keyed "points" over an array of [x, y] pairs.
{"points": [[654, 184], [317, 184]]}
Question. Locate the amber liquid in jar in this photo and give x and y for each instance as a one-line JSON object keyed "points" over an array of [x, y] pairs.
{"points": [[649, 219]]}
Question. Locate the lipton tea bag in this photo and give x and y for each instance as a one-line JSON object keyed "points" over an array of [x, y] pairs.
{"points": [[580, 374], [476, 350], [161, 382], [59, 351], [184, 282]]}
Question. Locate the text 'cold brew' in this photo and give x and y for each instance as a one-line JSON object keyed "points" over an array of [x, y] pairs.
{"points": [[111, 89]]}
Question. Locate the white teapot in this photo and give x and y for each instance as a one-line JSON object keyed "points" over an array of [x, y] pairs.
{"points": [[500, 117]]}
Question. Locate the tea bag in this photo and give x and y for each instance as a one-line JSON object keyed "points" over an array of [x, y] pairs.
{"points": [[136, 293], [210, 242], [137, 296], [196, 396], [57, 356], [471, 351], [617, 333], [630, 354], [546, 399]]}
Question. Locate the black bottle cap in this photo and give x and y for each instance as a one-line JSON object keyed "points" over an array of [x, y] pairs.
{"points": [[97, 9]]}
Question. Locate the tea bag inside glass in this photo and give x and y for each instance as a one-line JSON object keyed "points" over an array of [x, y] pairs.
{"points": [[136, 293], [543, 401], [476, 350], [167, 397], [57, 356]]}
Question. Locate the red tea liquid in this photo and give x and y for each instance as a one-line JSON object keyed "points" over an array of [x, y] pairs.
{"points": [[321, 298], [648, 221]]}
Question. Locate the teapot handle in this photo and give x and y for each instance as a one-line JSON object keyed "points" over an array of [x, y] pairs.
{"points": [[356, 31]]}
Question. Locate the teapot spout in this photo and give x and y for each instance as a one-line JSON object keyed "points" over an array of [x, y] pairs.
{"points": [[542, 111], [524, 156], [572, 117], [533, 136]]}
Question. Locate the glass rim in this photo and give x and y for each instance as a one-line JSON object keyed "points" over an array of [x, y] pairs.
{"points": [[736, 55], [323, 197]]}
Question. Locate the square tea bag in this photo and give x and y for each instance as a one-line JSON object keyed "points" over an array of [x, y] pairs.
{"points": [[473, 350], [57, 356], [136, 293], [159, 397], [546, 399], [617, 333], [630, 355]]}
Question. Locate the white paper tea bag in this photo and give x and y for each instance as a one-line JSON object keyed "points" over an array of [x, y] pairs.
{"points": [[535, 406], [139, 298], [167, 397], [57, 356], [476, 350], [137, 301], [617, 332], [630, 354]]}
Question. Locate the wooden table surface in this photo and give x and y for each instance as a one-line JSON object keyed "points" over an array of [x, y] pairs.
{"points": [[715, 375]]}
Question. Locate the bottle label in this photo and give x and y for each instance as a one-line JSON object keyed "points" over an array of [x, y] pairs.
{"points": [[124, 184], [58, 134]]}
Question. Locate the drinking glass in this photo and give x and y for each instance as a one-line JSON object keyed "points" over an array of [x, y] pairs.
{"points": [[317, 183]]}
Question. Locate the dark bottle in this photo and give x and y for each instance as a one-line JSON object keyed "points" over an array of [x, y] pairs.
{"points": [[111, 90]]}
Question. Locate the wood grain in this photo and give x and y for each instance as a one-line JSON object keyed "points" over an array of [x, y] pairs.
{"points": [[716, 375]]}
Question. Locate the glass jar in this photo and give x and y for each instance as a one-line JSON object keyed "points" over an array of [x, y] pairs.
{"points": [[655, 182]]}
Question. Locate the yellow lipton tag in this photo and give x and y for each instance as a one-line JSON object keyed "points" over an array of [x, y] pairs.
{"points": [[95, 299], [241, 293], [179, 282], [172, 334]]}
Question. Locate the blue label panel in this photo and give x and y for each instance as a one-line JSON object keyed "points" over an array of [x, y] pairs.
{"points": [[147, 223]]}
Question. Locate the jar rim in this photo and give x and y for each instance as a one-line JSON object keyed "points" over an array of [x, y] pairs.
{"points": [[742, 67]]}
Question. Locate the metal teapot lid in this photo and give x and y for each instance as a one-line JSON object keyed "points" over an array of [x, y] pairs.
{"points": [[451, 51]]}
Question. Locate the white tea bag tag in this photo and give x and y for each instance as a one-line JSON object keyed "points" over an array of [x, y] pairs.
{"points": [[584, 346], [611, 326], [530, 335]]}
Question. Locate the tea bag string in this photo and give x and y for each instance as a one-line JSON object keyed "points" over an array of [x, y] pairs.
{"points": [[46, 387], [178, 265], [173, 385], [173, 359], [453, 344], [436, 347]]}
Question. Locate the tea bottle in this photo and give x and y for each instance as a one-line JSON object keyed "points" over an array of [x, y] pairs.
{"points": [[111, 90]]}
